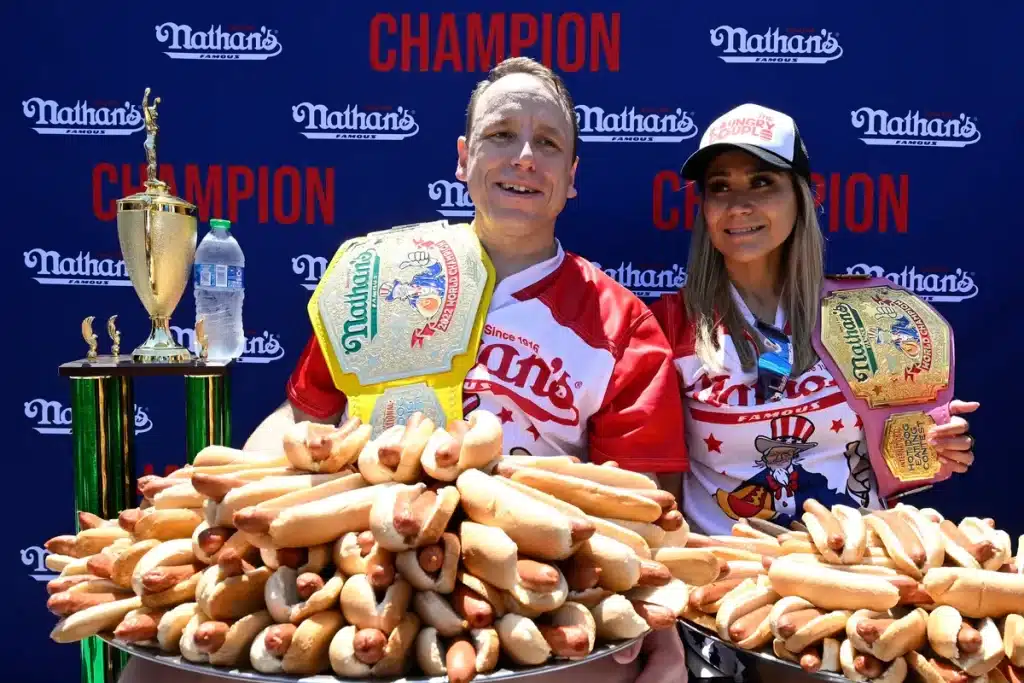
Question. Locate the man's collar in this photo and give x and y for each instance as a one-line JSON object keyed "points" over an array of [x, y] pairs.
{"points": [[525, 278]]}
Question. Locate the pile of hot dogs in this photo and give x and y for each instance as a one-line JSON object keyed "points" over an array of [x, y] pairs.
{"points": [[875, 597], [424, 549]]}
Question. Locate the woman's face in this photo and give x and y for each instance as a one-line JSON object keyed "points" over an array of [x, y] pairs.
{"points": [[749, 207]]}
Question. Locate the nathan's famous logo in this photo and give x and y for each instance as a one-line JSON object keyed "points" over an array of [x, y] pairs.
{"points": [[49, 117], [897, 334], [950, 287], [361, 325], [855, 336], [311, 268], [352, 123], [52, 417], [235, 43], [432, 288], [34, 558], [647, 282], [454, 197], [631, 125], [914, 130], [51, 268], [264, 347], [776, 46]]}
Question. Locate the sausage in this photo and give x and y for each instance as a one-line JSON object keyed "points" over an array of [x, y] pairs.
{"points": [[100, 564], [369, 644], [215, 486], [671, 520], [279, 638], [144, 481], [448, 454], [380, 570], [62, 583], [139, 627], [65, 604], [365, 541], [911, 592], [982, 550], [745, 626], [410, 512], [656, 616], [537, 576], [663, 498], [580, 529], [431, 558], [293, 558], [868, 665], [810, 659], [162, 578], [477, 612], [320, 445], [308, 583], [580, 573], [712, 592], [654, 574], [968, 639], [906, 536], [829, 522], [232, 563], [872, 629], [213, 538], [390, 455], [210, 636], [566, 641], [87, 520], [949, 673], [791, 622], [62, 545], [129, 518], [460, 661], [157, 485]]}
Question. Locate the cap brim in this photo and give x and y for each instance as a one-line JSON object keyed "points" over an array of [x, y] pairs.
{"points": [[698, 162]]}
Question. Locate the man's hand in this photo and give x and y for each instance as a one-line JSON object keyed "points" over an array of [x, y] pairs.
{"points": [[666, 658]]}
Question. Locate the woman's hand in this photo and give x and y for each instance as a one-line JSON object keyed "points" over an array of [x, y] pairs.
{"points": [[952, 440], [666, 658]]}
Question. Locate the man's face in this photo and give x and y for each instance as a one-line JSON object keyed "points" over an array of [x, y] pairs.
{"points": [[517, 161]]}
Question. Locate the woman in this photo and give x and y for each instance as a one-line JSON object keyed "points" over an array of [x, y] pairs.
{"points": [[767, 427]]}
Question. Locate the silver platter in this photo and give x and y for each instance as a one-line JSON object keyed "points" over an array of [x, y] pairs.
{"points": [[765, 655], [506, 673]]}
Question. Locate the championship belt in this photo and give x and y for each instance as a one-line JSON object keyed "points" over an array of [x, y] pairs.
{"points": [[398, 315], [891, 354]]}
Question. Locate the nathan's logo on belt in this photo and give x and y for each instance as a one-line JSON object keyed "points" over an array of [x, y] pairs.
{"points": [[361, 325], [862, 360], [899, 339]]}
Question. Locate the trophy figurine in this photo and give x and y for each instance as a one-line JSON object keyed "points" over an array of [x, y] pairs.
{"points": [[157, 232], [90, 337], [115, 337]]}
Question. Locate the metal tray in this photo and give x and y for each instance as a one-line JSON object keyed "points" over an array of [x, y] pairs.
{"points": [[502, 673], [765, 655]]}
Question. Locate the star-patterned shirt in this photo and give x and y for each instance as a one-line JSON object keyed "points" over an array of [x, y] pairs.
{"points": [[570, 361], [756, 459]]}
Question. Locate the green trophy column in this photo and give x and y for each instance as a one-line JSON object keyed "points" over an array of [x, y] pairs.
{"points": [[103, 429], [207, 412]]}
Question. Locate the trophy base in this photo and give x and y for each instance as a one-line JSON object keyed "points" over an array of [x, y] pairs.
{"points": [[166, 354]]}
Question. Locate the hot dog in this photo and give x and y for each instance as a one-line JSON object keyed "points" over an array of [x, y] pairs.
{"points": [[673, 597], [652, 534], [599, 474], [593, 498], [904, 541], [464, 444], [221, 643], [976, 593], [323, 448], [407, 516], [322, 521], [257, 518], [981, 534], [975, 648], [298, 650], [291, 596], [616, 618], [437, 612], [620, 568], [743, 617], [695, 566], [538, 530], [362, 607], [460, 659], [861, 667], [1013, 638], [888, 635], [167, 524], [364, 652], [395, 455], [813, 658], [797, 624], [432, 567], [750, 546], [539, 588], [489, 553], [832, 589], [839, 533], [225, 593], [93, 620]]}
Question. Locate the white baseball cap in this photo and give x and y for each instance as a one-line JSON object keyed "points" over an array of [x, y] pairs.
{"points": [[767, 134]]}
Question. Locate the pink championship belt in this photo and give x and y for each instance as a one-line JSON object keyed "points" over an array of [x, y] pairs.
{"points": [[891, 354]]}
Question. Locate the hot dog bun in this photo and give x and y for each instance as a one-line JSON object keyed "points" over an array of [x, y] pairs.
{"points": [[832, 589], [976, 593]]}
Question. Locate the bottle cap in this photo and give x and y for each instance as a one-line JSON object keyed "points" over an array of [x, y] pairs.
{"points": [[220, 223]]}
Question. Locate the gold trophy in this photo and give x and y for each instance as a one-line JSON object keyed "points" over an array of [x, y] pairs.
{"points": [[157, 232]]}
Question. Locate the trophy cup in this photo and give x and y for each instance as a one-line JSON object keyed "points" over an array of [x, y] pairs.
{"points": [[157, 232]]}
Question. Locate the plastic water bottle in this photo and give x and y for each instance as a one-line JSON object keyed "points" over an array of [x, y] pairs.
{"points": [[219, 289]]}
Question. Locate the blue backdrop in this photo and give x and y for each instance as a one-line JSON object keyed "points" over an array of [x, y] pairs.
{"points": [[308, 122]]}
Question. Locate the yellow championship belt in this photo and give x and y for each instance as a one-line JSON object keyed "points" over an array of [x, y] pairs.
{"points": [[398, 315]]}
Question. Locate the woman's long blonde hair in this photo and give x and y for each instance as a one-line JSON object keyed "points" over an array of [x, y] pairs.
{"points": [[707, 290]]}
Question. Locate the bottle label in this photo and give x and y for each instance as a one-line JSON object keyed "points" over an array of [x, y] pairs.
{"points": [[227, 277]]}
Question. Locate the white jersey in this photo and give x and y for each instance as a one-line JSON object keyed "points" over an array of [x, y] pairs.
{"points": [[754, 459], [570, 361]]}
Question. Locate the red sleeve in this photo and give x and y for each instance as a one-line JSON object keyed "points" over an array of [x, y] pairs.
{"points": [[310, 387], [640, 424], [670, 312]]}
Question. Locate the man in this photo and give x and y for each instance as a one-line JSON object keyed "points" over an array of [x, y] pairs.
{"points": [[570, 361]]}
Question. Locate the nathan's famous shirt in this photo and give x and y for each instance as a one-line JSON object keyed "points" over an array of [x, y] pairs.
{"points": [[754, 459], [570, 361]]}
